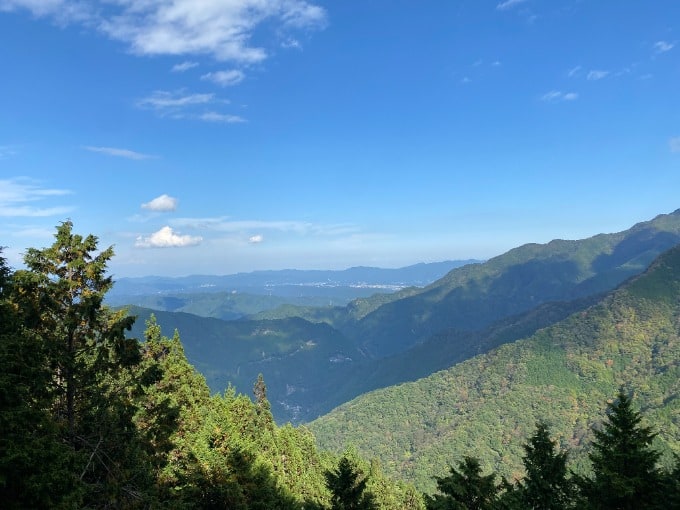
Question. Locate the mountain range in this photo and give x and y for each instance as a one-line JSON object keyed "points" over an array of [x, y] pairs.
{"points": [[316, 358], [563, 375]]}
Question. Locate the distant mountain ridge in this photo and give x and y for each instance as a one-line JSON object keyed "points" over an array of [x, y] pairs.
{"points": [[487, 406], [399, 337], [473, 296], [272, 281]]}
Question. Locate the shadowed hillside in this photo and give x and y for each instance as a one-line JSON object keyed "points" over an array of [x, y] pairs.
{"points": [[485, 406]]}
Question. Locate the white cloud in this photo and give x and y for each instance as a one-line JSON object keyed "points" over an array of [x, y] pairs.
{"points": [[674, 144], [219, 28], [291, 43], [7, 151], [663, 46], [184, 66], [256, 239], [164, 100], [62, 11], [596, 74], [225, 78], [167, 238], [18, 195], [221, 224], [120, 153], [465, 79], [221, 117], [180, 105], [556, 96], [574, 71], [509, 4], [163, 203]]}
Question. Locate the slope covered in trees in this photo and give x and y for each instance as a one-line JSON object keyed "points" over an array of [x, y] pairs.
{"points": [[561, 374], [472, 297], [92, 418], [395, 338]]}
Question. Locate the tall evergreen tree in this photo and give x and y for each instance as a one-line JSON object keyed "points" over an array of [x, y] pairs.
{"points": [[36, 468], [464, 488], [88, 357], [625, 472], [545, 486], [348, 488]]}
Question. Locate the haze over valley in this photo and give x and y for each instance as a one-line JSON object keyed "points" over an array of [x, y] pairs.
{"points": [[325, 255]]}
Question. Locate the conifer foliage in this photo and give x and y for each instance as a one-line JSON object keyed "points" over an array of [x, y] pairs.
{"points": [[90, 418], [465, 488], [625, 471], [348, 488], [545, 485]]}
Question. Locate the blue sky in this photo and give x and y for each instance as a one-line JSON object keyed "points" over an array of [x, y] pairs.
{"points": [[221, 136]]}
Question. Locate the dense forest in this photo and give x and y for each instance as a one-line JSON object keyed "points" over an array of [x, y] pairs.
{"points": [[92, 418], [317, 358], [561, 374]]}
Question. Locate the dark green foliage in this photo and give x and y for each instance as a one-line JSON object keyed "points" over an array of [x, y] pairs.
{"points": [[545, 485], [93, 419], [348, 488], [76, 371], [465, 488], [35, 465], [489, 404], [625, 472], [410, 334]]}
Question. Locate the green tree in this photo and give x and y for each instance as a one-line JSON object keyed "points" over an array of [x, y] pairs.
{"points": [[348, 487], [464, 489], [545, 485], [625, 473], [35, 465], [89, 360]]}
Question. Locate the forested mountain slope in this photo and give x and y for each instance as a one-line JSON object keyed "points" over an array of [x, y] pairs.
{"points": [[485, 406], [302, 362], [318, 358], [471, 297]]}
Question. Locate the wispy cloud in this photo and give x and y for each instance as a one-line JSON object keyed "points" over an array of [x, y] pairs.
{"points": [[221, 224], [18, 197], [181, 105], [119, 153], [663, 46], [674, 144], [291, 43], [7, 151], [163, 203], [217, 28], [597, 74], [220, 118], [509, 4], [256, 239], [225, 78], [574, 71], [555, 96], [167, 238], [164, 100], [184, 66]]}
